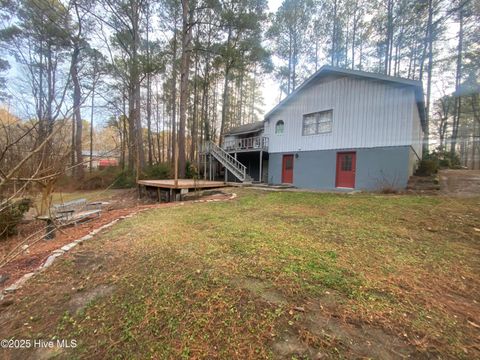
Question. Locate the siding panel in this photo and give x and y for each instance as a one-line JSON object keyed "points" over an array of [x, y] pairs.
{"points": [[366, 114]]}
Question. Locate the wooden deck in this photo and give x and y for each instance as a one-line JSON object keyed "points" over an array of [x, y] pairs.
{"points": [[169, 190], [182, 184]]}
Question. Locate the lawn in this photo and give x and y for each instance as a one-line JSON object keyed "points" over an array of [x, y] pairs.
{"points": [[288, 275]]}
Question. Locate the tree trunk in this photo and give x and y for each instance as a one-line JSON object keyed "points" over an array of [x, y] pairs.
{"points": [[131, 129], [149, 93], [139, 151], [78, 169], [225, 102], [91, 127], [225, 97], [388, 40], [294, 65], [206, 120], [173, 141], [334, 34], [458, 79], [354, 34], [184, 74], [429, 77], [193, 137], [290, 60]]}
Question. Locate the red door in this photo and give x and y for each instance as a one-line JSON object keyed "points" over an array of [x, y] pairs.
{"points": [[287, 169], [346, 170]]}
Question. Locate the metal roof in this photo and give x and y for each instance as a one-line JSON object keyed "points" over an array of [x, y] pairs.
{"points": [[100, 154], [332, 70], [245, 129]]}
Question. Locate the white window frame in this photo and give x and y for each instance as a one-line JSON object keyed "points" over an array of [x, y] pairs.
{"points": [[283, 127], [321, 122]]}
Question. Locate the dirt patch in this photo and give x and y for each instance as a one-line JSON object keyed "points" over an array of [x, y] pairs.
{"points": [[81, 299], [461, 183], [314, 328], [317, 331], [361, 340], [262, 290], [290, 346]]}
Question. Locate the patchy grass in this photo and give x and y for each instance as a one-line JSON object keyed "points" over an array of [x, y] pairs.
{"points": [[270, 275]]}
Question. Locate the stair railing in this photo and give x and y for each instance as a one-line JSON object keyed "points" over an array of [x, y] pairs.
{"points": [[233, 165]]}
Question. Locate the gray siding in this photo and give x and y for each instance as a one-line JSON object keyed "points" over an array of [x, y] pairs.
{"points": [[366, 114], [417, 133], [376, 168]]}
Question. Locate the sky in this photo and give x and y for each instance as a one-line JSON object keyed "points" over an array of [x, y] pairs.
{"points": [[270, 87]]}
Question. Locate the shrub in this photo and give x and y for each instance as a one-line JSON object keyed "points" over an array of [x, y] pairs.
{"points": [[11, 216], [159, 171], [191, 170], [427, 167], [103, 178], [389, 190], [445, 159], [110, 176], [124, 180]]}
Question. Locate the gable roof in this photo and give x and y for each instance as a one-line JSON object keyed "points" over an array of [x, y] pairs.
{"points": [[332, 70], [245, 129]]}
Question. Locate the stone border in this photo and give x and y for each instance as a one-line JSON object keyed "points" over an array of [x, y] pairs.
{"points": [[65, 248]]}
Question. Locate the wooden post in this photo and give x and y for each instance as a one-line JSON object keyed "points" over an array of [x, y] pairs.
{"points": [[50, 230], [205, 166], [176, 164], [261, 165], [209, 167]]}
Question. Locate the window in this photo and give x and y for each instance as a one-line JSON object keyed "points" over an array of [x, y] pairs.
{"points": [[347, 163], [289, 163], [317, 123], [279, 127]]}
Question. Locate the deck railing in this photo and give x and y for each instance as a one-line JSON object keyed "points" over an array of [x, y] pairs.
{"points": [[227, 160], [251, 143]]}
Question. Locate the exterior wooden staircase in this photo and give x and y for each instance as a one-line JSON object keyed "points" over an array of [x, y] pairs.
{"points": [[231, 164], [423, 183]]}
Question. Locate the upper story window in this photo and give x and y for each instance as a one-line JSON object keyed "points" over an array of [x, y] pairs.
{"points": [[279, 127], [317, 123]]}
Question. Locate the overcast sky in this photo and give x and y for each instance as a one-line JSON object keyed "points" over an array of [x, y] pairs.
{"points": [[270, 87]]}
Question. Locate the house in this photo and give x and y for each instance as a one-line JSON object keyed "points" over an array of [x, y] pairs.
{"points": [[100, 159], [339, 129]]}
